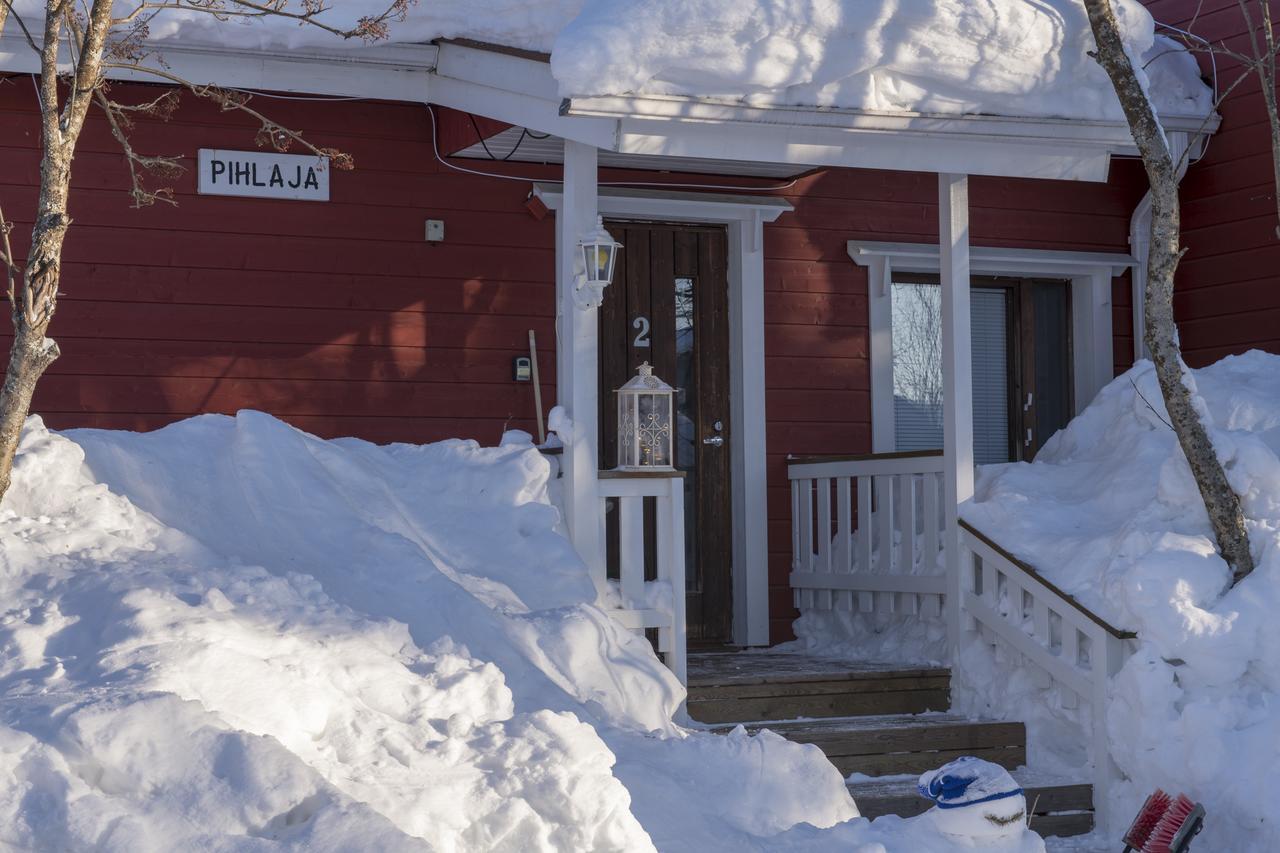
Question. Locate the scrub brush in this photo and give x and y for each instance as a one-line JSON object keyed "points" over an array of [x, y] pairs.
{"points": [[1164, 825]]}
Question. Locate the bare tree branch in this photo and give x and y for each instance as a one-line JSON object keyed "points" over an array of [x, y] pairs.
{"points": [[1264, 64], [369, 27], [96, 43], [118, 118]]}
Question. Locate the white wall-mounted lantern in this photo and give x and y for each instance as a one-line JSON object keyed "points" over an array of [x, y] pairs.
{"points": [[599, 255], [646, 423]]}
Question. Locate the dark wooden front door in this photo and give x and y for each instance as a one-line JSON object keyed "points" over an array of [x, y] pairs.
{"points": [[668, 305]]}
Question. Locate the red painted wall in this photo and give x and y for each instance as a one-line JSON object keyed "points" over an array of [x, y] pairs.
{"points": [[336, 316], [1226, 298], [339, 318]]}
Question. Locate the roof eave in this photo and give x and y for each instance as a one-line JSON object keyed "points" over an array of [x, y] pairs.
{"points": [[393, 72], [1007, 146]]}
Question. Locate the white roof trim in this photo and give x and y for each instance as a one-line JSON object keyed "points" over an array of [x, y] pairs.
{"points": [[720, 109], [393, 72], [924, 257], [670, 204]]}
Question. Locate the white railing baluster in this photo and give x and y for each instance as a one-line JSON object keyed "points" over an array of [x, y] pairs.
{"points": [[825, 562], [883, 486], [932, 522], [631, 552], [795, 525], [1040, 622], [671, 570], [844, 536], [806, 537], [908, 602], [866, 540]]}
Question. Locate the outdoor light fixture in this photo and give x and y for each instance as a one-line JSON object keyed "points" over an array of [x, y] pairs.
{"points": [[599, 254], [646, 415]]}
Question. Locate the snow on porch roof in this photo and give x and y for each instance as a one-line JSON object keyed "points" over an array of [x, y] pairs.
{"points": [[518, 86], [910, 85]]}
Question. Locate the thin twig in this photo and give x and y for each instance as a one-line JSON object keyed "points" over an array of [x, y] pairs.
{"points": [[22, 25], [1149, 406]]}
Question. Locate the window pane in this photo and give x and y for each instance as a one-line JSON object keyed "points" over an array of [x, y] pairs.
{"points": [[917, 366], [917, 369]]}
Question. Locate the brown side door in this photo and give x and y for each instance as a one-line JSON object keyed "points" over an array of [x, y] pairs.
{"points": [[668, 305], [1044, 397]]}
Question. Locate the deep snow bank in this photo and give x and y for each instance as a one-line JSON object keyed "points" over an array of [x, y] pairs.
{"points": [[231, 635], [1006, 57], [1110, 513]]}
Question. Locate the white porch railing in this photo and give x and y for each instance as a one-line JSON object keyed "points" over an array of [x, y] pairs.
{"points": [[867, 532], [656, 604], [1008, 601]]}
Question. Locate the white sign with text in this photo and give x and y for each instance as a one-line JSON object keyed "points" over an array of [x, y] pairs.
{"points": [[261, 174]]}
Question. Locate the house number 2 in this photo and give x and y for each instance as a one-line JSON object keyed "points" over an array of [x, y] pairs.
{"points": [[642, 336]]}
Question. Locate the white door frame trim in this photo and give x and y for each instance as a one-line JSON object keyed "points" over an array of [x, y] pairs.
{"points": [[1090, 274], [744, 218]]}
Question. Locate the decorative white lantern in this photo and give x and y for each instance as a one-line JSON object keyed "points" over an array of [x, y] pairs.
{"points": [[646, 423], [599, 255]]}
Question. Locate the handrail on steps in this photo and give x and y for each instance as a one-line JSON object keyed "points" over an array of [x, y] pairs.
{"points": [[1006, 600], [1067, 598], [868, 534]]}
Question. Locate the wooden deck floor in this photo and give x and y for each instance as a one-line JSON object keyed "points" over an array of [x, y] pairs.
{"points": [[758, 667]]}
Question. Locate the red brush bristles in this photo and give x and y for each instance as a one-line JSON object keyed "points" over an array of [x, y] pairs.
{"points": [[1145, 823], [1167, 830]]}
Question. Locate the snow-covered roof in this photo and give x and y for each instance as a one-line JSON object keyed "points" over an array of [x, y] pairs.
{"points": [[1000, 57], [1005, 87]]}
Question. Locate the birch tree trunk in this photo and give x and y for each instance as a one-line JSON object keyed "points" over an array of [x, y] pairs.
{"points": [[34, 302], [82, 27], [1220, 501]]}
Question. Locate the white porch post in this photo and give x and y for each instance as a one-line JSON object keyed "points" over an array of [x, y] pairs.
{"points": [[576, 362], [957, 378]]}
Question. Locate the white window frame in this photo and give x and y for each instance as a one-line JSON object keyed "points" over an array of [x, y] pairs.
{"points": [[1090, 274], [744, 218]]}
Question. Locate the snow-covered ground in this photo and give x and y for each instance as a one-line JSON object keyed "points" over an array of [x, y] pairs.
{"points": [[231, 635], [1110, 513], [1002, 57]]}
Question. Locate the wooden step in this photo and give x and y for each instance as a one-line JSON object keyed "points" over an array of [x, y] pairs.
{"points": [[749, 686], [1057, 807], [892, 744]]}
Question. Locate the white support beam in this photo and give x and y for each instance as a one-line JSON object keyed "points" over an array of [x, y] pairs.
{"points": [[880, 318], [577, 350], [750, 477], [957, 376]]}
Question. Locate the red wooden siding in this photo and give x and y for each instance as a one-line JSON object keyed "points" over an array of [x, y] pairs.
{"points": [[341, 319], [1226, 299], [336, 316]]}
